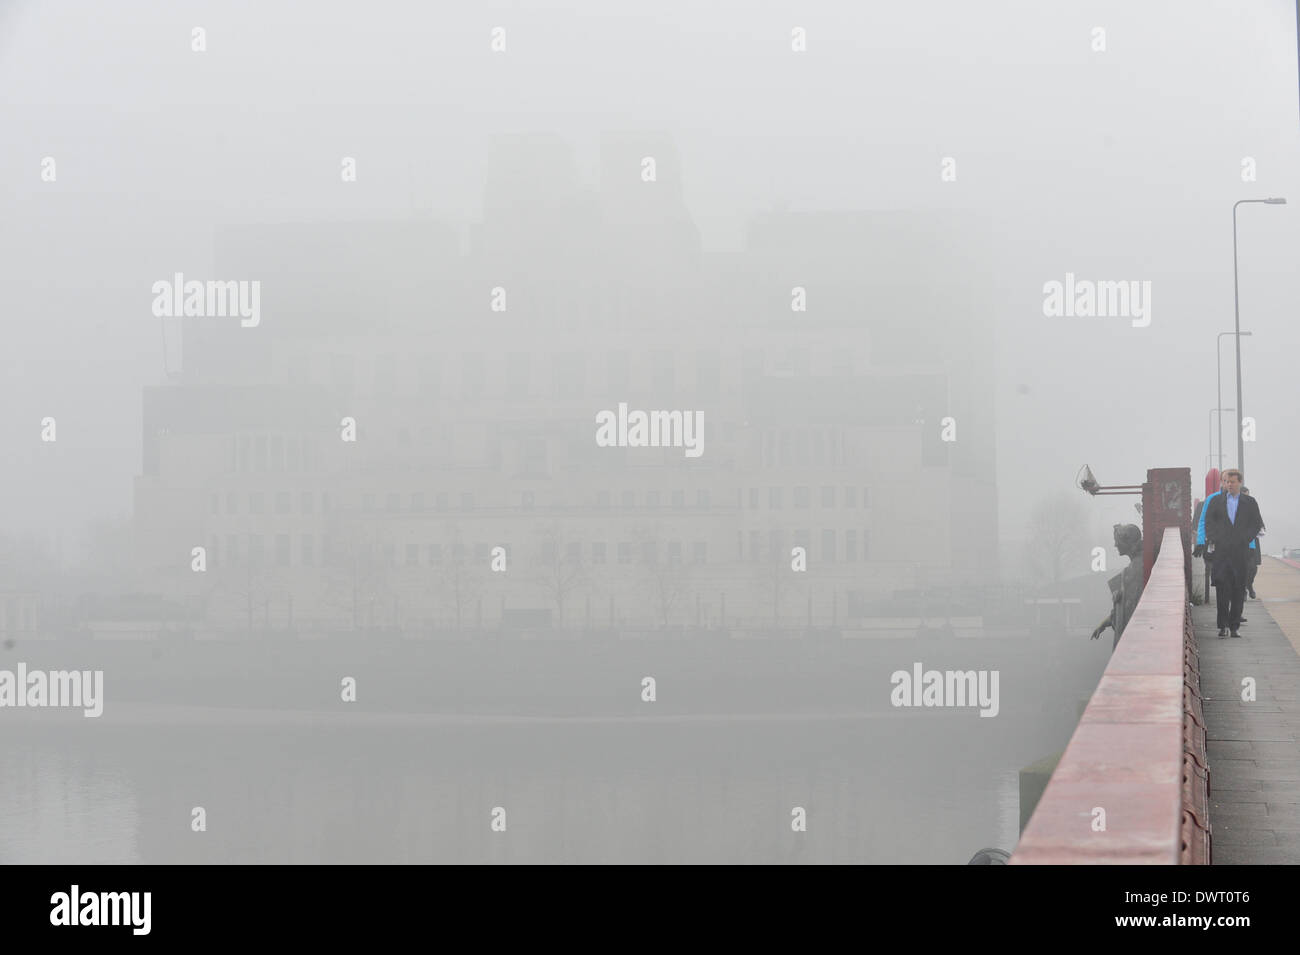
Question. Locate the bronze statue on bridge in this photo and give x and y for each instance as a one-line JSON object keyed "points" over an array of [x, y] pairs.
{"points": [[1126, 586]]}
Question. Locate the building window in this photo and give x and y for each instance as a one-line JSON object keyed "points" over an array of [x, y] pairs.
{"points": [[533, 456], [282, 550], [393, 503], [776, 544], [828, 497], [866, 545], [850, 545], [232, 503], [674, 552], [828, 545], [412, 555], [325, 503], [293, 457], [216, 503], [567, 373], [256, 549], [473, 376], [602, 498], [467, 502], [232, 549], [259, 453], [283, 502], [306, 501], [629, 499], [753, 498], [598, 552], [367, 502], [774, 498], [699, 552], [442, 501], [277, 453], [624, 552], [649, 552], [619, 378], [529, 499], [307, 550], [435, 553], [341, 372], [702, 498], [708, 372], [661, 363], [430, 376], [214, 551], [755, 545], [802, 496], [850, 497], [518, 365], [866, 497], [417, 501], [255, 502], [652, 499], [679, 499]]}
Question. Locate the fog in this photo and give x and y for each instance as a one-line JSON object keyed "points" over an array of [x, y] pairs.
{"points": [[828, 230]]}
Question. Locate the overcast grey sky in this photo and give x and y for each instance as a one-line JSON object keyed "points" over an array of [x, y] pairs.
{"points": [[1116, 165]]}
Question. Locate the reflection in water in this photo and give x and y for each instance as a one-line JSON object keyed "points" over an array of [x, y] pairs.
{"points": [[881, 790], [63, 808], [808, 726]]}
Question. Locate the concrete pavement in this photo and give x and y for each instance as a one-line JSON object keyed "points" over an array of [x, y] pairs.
{"points": [[1254, 745]]}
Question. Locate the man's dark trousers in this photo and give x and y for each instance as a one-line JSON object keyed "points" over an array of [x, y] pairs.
{"points": [[1229, 592]]}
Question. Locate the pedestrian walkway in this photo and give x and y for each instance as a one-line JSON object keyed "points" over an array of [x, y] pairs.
{"points": [[1254, 746]]}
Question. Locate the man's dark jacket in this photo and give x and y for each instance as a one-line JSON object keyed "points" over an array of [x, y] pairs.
{"points": [[1232, 540]]}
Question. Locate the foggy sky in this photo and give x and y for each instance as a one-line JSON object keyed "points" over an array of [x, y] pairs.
{"points": [[1117, 165]]}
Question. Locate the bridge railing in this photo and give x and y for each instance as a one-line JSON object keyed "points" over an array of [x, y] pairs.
{"points": [[1132, 786]]}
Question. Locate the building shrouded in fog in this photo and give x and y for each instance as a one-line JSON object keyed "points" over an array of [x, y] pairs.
{"points": [[475, 426]]}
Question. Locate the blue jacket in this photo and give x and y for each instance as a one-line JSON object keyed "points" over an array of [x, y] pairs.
{"points": [[1200, 526]]}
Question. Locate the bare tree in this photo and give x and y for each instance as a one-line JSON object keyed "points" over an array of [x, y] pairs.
{"points": [[668, 580], [461, 580], [777, 575], [358, 571], [561, 572], [1057, 537]]}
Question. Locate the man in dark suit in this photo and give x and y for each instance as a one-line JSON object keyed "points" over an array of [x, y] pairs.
{"points": [[1232, 521]]}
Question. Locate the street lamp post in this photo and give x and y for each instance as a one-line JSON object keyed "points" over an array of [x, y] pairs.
{"points": [[1218, 367], [1236, 311], [1210, 423]]}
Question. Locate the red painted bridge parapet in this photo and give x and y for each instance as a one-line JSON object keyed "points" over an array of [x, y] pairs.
{"points": [[1132, 786]]}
